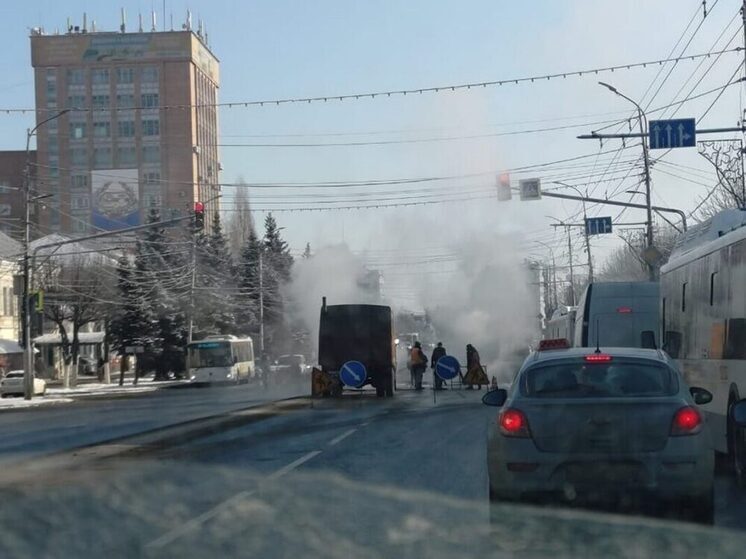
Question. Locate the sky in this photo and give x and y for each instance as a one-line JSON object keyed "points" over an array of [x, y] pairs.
{"points": [[276, 49]]}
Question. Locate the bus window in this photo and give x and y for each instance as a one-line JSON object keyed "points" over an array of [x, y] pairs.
{"points": [[712, 288], [683, 297], [735, 347]]}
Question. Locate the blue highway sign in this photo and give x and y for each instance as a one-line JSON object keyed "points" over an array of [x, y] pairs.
{"points": [[672, 133], [353, 374], [597, 225], [447, 367]]}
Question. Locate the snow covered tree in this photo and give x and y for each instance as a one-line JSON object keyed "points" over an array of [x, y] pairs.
{"points": [[248, 283], [276, 265]]}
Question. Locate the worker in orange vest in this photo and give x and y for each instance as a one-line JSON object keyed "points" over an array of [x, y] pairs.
{"points": [[417, 364]]}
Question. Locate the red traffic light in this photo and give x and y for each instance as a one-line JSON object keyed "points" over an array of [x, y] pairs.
{"points": [[199, 207]]}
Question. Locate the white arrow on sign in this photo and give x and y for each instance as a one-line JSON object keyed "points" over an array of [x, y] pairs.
{"points": [[352, 372], [447, 368], [668, 133], [682, 135], [657, 131]]}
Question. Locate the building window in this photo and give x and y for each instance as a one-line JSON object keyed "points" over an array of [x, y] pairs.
{"points": [[99, 75], [125, 75], [151, 128], [151, 154], [79, 156], [81, 202], [153, 200], [77, 130], [150, 100], [76, 76], [102, 158], [126, 128], [125, 100], [100, 101], [149, 74], [712, 288], [151, 177], [79, 225], [101, 129], [75, 101], [126, 155], [53, 146], [54, 170], [79, 181], [5, 187]]}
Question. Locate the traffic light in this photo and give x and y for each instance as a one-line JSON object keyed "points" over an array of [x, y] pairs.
{"points": [[199, 216], [503, 187]]}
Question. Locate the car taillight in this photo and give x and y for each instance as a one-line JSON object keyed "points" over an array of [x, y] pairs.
{"points": [[686, 421], [513, 423], [598, 358]]}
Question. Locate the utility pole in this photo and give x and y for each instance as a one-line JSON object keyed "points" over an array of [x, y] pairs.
{"points": [[568, 228], [585, 228], [648, 203], [261, 301]]}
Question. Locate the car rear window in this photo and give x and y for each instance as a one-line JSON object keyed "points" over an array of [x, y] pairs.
{"points": [[579, 379], [14, 375]]}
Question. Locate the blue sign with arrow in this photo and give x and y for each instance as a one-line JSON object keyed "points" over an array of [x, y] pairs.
{"points": [[447, 367], [353, 374], [672, 133], [597, 225]]}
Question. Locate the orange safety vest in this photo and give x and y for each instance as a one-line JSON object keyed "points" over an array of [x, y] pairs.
{"points": [[416, 357]]}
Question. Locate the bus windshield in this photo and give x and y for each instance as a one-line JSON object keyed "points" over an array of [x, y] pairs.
{"points": [[210, 354]]}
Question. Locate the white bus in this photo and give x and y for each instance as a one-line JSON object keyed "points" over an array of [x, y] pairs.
{"points": [[221, 359], [703, 319], [561, 325]]}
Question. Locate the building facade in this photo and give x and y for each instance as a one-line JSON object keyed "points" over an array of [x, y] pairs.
{"points": [[139, 131], [12, 211]]}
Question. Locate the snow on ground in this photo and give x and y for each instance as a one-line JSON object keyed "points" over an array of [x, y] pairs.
{"points": [[96, 388], [19, 402]]}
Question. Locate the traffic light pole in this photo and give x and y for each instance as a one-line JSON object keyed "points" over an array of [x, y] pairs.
{"points": [[28, 349]]}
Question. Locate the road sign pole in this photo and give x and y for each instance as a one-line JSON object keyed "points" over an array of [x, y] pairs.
{"points": [[648, 202]]}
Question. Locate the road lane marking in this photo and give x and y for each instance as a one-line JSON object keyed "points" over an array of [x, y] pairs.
{"points": [[342, 437], [290, 467], [170, 537], [195, 522]]}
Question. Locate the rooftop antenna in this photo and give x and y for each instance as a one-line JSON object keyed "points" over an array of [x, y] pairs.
{"points": [[172, 21], [139, 18], [93, 26], [598, 337], [164, 15], [123, 25], [85, 22], [199, 27], [69, 26], [154, 26], [189, 20]]}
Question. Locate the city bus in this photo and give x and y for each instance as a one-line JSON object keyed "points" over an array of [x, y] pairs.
{"points": [[221, 359], [703, 319]]}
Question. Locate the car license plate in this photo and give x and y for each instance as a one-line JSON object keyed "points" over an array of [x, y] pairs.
{"points": [[603, 472]]}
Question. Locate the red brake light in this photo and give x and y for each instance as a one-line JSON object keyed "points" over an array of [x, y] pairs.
{"points": [[598, 358], [513, 423], [557, 343], [686, 421], [624, 310]]}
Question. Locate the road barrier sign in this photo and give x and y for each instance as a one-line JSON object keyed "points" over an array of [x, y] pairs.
{"points": [[672, 133], [447, 367], [530, 189], [353, 374], [598, 225]]}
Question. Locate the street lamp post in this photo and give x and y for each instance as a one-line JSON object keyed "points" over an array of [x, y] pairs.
{"points": [[28, 366], [643, 137], [554, 272]]}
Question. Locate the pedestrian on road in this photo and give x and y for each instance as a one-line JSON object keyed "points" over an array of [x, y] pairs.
{"points": [[417, 364], [475, 373], [438, 352]]}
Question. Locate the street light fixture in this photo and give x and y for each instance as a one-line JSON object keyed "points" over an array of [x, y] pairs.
{"points": [[28, 366], [643, 137]]}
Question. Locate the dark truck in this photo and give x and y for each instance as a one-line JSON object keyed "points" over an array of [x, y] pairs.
{"points": [[357, 333]]}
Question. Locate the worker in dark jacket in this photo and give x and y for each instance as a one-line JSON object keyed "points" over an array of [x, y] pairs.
{"points": [[438, 352], [475, 373]]}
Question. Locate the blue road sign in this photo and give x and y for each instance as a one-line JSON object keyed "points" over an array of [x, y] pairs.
{"points": [[353, 374], [672, 133], [597, 225], [447, 367]]}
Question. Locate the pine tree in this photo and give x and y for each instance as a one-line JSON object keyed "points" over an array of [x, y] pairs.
{"points": [[220, 279], [277, 263], [307, 252], [248, 283]]}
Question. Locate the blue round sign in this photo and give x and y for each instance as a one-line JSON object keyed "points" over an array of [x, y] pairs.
{"points": [[447, 367], [353, 374]]}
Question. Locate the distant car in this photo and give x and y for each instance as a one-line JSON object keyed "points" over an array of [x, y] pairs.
{"points": [[288, 366], [607, 425], [12, 385]]}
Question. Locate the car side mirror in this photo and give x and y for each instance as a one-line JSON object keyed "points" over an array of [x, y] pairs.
{"points": [[701, 396], [738, 413], [495, 397]]}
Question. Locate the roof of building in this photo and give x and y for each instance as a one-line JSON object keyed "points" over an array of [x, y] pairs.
{"points": [[9, 248], [83, 338]]}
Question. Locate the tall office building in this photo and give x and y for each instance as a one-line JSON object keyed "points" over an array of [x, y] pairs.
{"points": [[141, 131]]}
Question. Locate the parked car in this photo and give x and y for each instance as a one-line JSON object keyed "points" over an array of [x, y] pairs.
{"points": [[12, 385], [608, 425]]}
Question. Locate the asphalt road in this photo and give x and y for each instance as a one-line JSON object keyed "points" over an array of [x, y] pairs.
{"points": [[403, 476], [42, 430]]}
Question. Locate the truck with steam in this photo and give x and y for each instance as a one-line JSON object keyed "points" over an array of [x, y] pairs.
{"points": [[360, 333]]}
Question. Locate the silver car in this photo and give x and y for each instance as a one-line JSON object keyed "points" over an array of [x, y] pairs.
{"points": [[614, 425]]}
